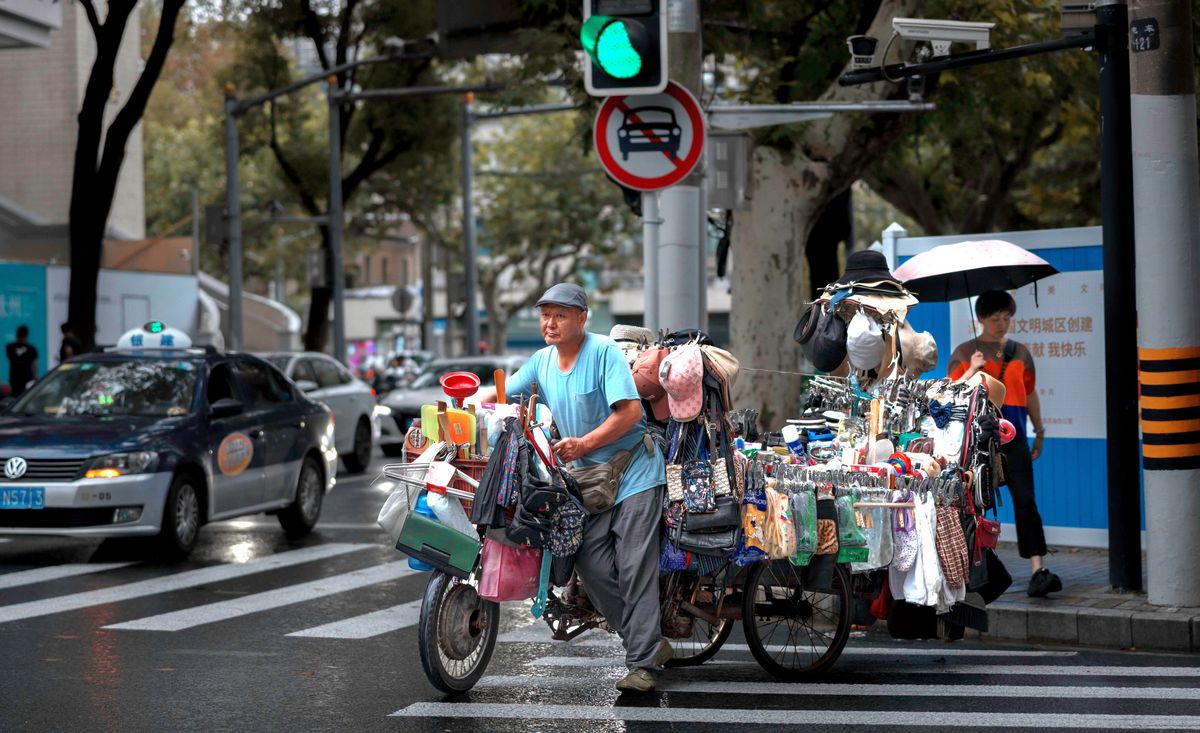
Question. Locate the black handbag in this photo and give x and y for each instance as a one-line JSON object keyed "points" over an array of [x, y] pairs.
{"points": [[989, 578], [727, 515], [708, 543], [826, 349]]}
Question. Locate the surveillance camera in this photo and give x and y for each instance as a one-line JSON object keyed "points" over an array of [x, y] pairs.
{"points": [[862, 51], [941, 33]]}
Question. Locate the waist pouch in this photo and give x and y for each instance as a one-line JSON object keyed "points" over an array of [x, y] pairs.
{"points": [[708, 543], [529, 529], [598, 484], [727, 515]]}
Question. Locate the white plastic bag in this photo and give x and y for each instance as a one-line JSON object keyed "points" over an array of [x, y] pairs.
{"points": [[449, 511], [393, 513]]}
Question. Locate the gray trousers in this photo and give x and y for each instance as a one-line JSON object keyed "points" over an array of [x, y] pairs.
{"points": [[618, 562]]}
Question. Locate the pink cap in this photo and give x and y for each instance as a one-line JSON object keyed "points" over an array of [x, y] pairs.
{"points": [[682, 376]]}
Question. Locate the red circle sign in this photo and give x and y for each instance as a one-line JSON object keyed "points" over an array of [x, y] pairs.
{"points": [[650, 141]]}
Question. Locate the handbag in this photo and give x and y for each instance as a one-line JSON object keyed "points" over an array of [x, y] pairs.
{"points": [[599, 483], [989, 578], [674, 482], [699, 494], [727, 515], [508, 573], [708, 543]]}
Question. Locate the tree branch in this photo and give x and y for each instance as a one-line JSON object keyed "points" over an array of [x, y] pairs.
{"points": [[131, 113], [312, 26], [289, 171], [93, 20]]}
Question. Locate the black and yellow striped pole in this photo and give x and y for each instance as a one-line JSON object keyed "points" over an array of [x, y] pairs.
{"points": [[1166, 180]]}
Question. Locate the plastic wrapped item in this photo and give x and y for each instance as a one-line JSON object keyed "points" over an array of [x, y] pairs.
{"points": [[449, 511], [849, 533], [394, 511], [781, 528], [804, 517], [904, 533], [879, 539]]}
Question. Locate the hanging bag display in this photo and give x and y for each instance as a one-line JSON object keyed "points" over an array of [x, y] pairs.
{"points": [[804, 516], [781, 529]]}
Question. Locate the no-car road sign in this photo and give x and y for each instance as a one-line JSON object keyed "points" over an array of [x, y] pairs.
{"points": [[652, 141]]}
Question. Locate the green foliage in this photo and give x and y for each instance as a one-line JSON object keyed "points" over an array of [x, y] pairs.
{"points": [[1011, 145]]}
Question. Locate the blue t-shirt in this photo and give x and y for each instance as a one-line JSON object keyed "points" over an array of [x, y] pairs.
{"points": [[583, 398]]}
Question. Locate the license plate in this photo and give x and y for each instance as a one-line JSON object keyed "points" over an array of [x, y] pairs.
{"points": [[22, 498]]}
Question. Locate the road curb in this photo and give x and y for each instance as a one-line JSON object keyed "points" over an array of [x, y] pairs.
{"points": [[1099, 627]]}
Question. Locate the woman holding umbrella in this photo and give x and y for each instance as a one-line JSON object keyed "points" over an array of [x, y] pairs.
{"points": [[1011, 363]]}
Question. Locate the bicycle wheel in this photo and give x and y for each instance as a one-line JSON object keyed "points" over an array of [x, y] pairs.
{"points": [[795, 633], [694, 632], [457, 633]]}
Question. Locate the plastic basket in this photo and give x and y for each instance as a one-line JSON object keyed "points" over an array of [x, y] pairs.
{"points": [[471, 466]]}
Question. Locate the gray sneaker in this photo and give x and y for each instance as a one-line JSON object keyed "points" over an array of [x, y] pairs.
{"points": [[638, 680]]}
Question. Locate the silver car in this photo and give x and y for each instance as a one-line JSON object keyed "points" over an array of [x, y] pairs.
{"points": [[401, 406], [352, 401]]}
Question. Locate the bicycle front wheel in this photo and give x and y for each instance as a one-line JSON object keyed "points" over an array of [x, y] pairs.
{"points": [[795, 633], [456, 634], [690, 622]]}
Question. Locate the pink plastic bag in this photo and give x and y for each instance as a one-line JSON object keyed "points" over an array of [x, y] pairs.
{"points": [[508, 573]]}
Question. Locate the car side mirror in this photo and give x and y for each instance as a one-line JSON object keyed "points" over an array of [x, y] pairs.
{"points": [[306, 385], [226, 407]]}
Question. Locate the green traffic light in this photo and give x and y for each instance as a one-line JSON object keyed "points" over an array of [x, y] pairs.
{"points": [[609, 43]]}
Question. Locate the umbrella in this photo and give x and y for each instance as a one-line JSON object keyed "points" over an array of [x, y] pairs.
{"points": [[965, 269]]}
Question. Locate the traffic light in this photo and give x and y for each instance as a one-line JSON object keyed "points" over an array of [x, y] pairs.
{"points": [[625, 45]]}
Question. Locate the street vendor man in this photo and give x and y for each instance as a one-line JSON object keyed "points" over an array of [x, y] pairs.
{"points": [[585, 380]]}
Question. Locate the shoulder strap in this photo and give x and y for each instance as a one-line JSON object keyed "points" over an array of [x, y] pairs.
{"points": [[1010, 350]]}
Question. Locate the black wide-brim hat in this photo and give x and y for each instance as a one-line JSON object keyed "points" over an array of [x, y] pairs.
{"points": [[866, 266]]}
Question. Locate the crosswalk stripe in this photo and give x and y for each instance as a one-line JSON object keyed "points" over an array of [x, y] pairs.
{"points": [[983, 669], [55, 572], [267, 600], [367, 625], [604, 640], [186, 579], [889, 718], [526, 682], [240, 524]]}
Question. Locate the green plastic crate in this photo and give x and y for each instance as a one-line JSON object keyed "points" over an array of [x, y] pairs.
{"points": [[444, 548]]}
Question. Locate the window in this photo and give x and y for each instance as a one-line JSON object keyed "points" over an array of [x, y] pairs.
{"points": [[150, 387], [264, 386], [220, 384], [303, 371], [327, 373]]}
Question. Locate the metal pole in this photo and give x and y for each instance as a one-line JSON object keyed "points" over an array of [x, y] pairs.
{"points": [[650, 225], [681, 248], [472, 276], [426, 292], [1166, 179], [336, 221], [233, 220], [1120, 316]]}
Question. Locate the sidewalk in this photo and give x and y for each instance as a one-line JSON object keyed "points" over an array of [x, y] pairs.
{"points": [[1087, 611]]}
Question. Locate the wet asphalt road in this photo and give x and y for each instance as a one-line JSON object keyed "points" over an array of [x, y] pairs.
{"points": [[258, 633]]}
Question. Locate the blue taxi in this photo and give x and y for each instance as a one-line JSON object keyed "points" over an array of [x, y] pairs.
{"points": [[154, 438]]}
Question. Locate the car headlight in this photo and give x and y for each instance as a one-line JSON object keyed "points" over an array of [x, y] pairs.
{"points": [[122, 464], [382, 411]]}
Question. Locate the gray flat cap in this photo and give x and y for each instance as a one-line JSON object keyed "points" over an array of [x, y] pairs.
{"points": [[565, 294]]}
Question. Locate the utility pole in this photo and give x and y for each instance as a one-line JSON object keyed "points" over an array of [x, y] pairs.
{"points": [[678, 288], [233, 220], [468, 184], [1166, 180], [336, 220], [1120, 315]]}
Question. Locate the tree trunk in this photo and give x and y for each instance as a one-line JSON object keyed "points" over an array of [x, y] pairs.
{"points": [[770, 279], [316, 335]]}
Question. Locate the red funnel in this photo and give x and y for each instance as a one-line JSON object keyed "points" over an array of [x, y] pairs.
{"points": [[459, 385]]}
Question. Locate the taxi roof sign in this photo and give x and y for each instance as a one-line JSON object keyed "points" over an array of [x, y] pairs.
{"points": [[154, 335]]}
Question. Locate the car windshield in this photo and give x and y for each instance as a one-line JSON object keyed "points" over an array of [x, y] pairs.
{"points": [[430, 376], [147, 387]]}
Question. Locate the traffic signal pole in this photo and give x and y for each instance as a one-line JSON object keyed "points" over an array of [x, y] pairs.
{"points": [[1166, 178], [679, 288]]}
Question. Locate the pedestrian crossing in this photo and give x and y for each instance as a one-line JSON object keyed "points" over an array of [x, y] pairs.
{"points": [[532, 678]]}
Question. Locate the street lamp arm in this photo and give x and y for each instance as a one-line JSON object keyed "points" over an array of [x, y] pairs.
{"points": [[245, 105], [894, 72]]}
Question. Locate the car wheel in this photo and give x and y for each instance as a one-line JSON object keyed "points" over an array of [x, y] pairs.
{"points": [[359, 457], [181, 518], [299, 517], [392, 450]]}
